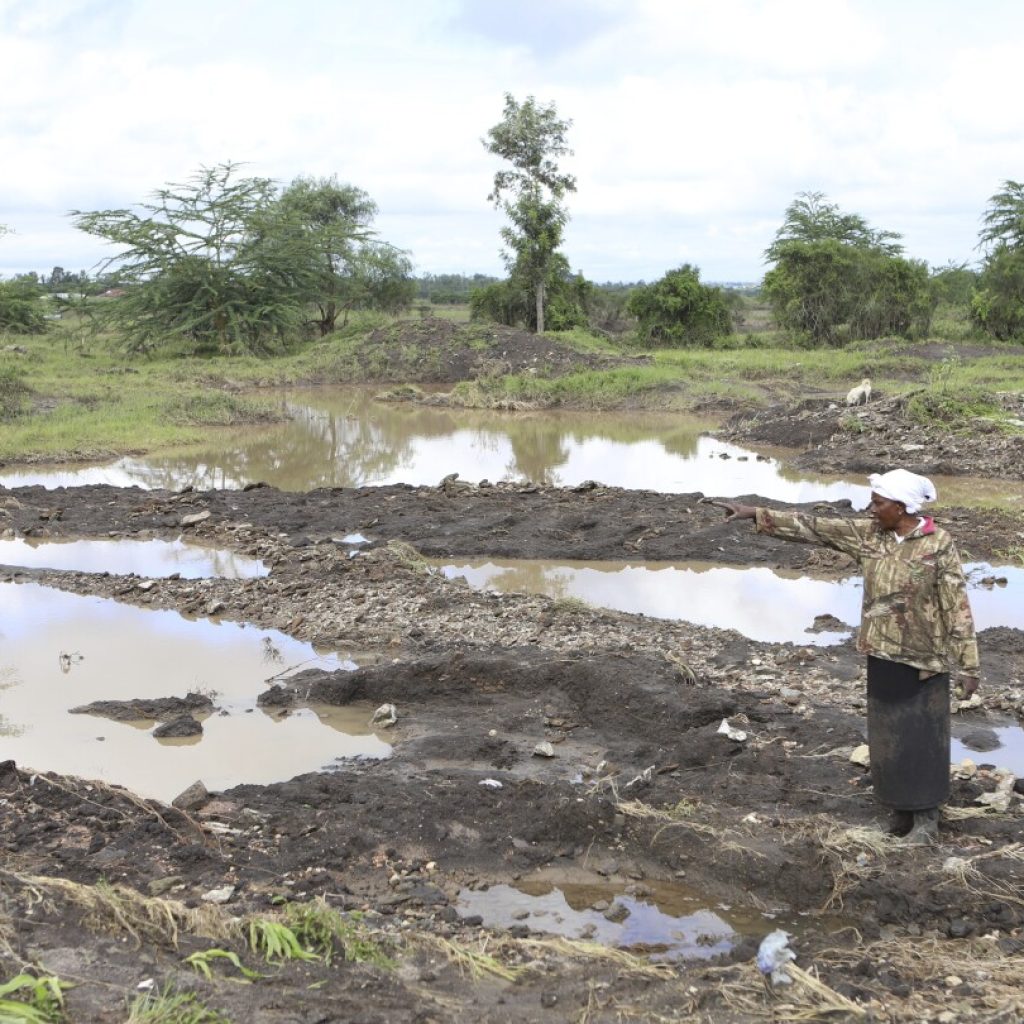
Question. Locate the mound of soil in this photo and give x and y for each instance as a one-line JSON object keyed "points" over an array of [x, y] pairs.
{"points": [[879, 437], [439, 351]]}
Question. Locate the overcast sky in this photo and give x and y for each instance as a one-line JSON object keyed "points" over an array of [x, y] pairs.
{"points": [[695, 122]]}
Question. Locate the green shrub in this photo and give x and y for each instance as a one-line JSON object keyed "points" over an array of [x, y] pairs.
{"points": [[13, 392]]}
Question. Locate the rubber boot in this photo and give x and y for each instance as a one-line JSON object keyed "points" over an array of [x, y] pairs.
{"points": [[925, 829], [899, 822]]}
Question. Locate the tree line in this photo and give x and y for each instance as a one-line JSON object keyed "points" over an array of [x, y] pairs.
{"points": [[234, 263]]}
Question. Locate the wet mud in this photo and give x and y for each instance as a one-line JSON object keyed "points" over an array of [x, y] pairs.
{"points": [[532, 735]]}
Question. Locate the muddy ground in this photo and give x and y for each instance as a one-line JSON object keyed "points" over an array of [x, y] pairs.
{"points": [[642, 789], [881, 435]]}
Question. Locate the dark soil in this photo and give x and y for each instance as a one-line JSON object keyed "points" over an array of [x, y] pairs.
{"points": [[880, 436], [455, 519], [643, 787]]}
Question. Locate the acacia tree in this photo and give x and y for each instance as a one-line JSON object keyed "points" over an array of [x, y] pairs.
{"points": [[225, 262], [998, 304], [530, 137], [832, 269], [355, 268]]}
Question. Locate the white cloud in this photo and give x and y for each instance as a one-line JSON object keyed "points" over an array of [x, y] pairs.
{"points": [[694, 123]]}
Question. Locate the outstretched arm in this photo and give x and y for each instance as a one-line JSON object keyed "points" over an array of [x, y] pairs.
{"points": [[847, 535]]}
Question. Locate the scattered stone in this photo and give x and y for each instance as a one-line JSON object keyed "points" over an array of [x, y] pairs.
{"points": [[544, 749], [176, 728], [861, 755], [195, 518], [385, 716], [159, 886], [191, 799], [617, 913], [219, 896], [214, 606]]}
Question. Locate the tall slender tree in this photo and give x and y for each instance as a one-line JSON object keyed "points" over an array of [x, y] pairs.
{"points": [[531, 136]]}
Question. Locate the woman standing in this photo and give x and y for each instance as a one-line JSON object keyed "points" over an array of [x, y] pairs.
{"points": [[916, 623]]}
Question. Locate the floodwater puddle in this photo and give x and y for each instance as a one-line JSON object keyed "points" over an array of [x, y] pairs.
{"points": [[339, 437], [151, 558], [60, 650], [1000, 744], [670, 921], [761, 603]]}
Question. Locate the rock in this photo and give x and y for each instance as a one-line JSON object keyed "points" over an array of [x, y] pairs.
{"points": [[544, 749], [194, 518], [158, 886], [219, 896], [193, 798], [790, 696], [981, 740], [736, 735], [214, 606], [861, 755], [385, 716], [183, 725], [146, 585], [617, 913]]}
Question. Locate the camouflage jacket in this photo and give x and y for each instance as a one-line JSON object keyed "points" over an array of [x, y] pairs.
{"points": [[915, 607]]}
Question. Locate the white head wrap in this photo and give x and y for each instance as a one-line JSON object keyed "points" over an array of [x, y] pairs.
{"points": [[909, 489]]}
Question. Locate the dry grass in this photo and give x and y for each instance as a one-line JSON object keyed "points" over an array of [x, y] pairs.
{"points": [[964, 872], [681, 816], [477, 963], [931, 968], [851, 855], [578, 949], [117, 908]]}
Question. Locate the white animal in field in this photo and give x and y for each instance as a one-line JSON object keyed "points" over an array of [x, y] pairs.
{"points": [[860, 394]]}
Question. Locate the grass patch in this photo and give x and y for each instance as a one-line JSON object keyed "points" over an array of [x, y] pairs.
{"points": [[73, 395], [170, 1007], [329, 934]]}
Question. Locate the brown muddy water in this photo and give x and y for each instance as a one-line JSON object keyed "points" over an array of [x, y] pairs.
{"points": [[761, 603], [344, 437], [153, 558], [59, 650]]}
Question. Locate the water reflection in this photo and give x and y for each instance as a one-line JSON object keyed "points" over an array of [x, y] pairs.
{"points": [[693, 932], [1007, 750], [345, 438], [761, 603], [61, 650], [154, 558]]}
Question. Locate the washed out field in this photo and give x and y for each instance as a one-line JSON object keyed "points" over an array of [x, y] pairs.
{"points": [[578, 813]]}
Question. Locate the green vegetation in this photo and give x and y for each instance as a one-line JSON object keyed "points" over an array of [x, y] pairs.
{"points": [[835, 278], [229, 264], [530, 137], [513, 302], [202, 960], [170, 1007], [949, 400], [326, 932], [26, 999], [21, 308], [13, 391], [679, 310]]}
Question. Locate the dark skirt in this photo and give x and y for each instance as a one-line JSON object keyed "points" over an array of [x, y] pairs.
{"points": [[908, 735]]}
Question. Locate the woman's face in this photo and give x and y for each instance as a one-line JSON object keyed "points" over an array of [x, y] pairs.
{"points": [[887, 513]]}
